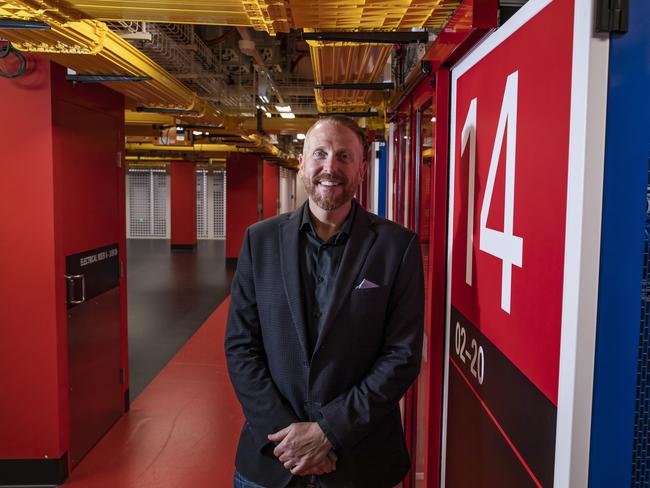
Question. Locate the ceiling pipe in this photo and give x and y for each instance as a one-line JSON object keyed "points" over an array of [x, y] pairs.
{"points": [[247, 46]]}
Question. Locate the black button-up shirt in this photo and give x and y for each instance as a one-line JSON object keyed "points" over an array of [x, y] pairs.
{"points": [[319, 264]]}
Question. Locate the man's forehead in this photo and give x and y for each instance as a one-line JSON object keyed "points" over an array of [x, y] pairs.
{"points": [[327, 133]]}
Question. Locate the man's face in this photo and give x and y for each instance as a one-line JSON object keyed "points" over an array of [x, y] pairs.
{"points": [[331, 165]]}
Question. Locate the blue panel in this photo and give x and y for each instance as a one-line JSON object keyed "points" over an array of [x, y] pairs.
{"points": [[620, 306], [383, 160]]}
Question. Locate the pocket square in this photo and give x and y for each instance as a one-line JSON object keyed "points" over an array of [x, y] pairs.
{"points": [[365, 284]]}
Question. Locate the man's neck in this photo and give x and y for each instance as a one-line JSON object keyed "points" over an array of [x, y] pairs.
{"points": [[328, 222]]}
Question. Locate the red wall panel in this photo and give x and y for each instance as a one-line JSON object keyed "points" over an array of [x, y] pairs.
{"points": [[41, 220], [436, 275], [271, 190], [183, 204], [242, 204], [88, 122], [29, 357]]}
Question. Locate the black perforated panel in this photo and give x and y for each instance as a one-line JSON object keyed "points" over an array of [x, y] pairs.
{"points": [[640, 453]]}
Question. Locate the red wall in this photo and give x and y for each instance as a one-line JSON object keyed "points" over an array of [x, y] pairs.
{"points": [[183, 204], [271, 190], [242, 203], [29, 353], [53, 136]]}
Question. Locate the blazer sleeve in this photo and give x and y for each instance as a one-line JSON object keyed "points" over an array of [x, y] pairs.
{"points": [[351, 416], [265, 409]]}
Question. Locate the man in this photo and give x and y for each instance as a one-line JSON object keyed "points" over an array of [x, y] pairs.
{"points": [[324, 331]]}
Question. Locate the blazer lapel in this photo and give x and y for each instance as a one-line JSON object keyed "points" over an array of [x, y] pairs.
{"points": [[360, 241], [289, 235]]}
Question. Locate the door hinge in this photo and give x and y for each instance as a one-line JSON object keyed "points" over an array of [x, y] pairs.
{"points": [[121, 269], [122, 376], [118, 159], [612, 15]]}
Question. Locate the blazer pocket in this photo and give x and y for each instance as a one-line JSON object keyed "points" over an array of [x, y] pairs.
{"points": [[368, 291], [375, 296]]}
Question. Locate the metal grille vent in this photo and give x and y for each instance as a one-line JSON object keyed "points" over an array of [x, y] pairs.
{"points": [[201, 204], [160, 184], [219, 193], [148, 196], [640, 451], [139, 203]]}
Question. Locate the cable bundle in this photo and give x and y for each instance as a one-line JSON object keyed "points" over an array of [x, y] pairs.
{"points": [[5, 51]]}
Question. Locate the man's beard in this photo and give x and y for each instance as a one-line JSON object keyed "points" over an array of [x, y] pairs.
{"points": [[328, 200]]}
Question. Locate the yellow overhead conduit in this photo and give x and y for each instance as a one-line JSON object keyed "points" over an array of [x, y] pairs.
{"points": [[86, 45], [255, 143], [90, 47]]}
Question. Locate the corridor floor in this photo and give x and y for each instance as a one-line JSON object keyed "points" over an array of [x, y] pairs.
{"points": [[170, 296], [181, 431]]}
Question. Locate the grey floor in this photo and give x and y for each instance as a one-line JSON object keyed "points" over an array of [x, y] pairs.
{"points": [[169, 296]]}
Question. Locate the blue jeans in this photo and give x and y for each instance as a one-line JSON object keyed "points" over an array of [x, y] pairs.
{"points": [[240, 482]]}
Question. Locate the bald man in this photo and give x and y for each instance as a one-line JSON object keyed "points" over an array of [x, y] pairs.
{"points": [[324, 331]]}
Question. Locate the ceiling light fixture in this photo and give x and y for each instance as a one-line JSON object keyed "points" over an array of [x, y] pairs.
{"points": [[289, 115], [283, 108], [301, 137]]}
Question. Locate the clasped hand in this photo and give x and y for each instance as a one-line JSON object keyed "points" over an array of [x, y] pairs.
{"points": [[304, 449]]}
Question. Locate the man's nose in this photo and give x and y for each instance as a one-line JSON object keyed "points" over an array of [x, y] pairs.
{"points": [[329, 163]]}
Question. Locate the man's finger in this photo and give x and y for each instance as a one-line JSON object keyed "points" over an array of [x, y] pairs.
{"points": [[301, 468], [279, 435], [279, 450]]}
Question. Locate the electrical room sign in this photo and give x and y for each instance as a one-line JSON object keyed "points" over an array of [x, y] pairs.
{"points": [[509, 150]]}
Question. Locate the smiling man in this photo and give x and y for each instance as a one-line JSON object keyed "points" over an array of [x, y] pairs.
{"points": [[324, 331]]}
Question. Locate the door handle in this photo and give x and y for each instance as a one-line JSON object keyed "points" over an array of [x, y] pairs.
{"points": [[71, 288]]}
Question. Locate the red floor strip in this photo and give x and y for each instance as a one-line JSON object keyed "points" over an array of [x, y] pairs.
{"points": [[181, 431], [498, 425]]}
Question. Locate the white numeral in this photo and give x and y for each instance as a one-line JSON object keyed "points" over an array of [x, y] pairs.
{"points": [[503, 245], [469, 135], [476, 355]]}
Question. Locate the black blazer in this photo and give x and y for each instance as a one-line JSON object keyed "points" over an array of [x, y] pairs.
{"points": [[366, 356]]}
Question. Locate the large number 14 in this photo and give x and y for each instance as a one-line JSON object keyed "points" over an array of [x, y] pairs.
{"points": [[503, 245]]}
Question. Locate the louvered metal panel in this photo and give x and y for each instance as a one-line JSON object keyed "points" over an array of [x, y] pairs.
{"points": [[202, 213], [219, 199], [148, 204]]}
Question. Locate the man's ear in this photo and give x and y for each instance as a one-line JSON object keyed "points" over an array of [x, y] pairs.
{"points": [[300, 161]]}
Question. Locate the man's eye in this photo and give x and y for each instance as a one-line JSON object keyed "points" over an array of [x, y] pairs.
{"points": [[344, 157], [319, 154]]}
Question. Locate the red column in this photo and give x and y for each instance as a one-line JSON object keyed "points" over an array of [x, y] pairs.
{"points": [[44, 216], [183, 206], [243, 200], [31, 363], [271, 190]]}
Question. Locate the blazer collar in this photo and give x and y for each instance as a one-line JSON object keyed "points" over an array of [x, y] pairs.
{"points": [[289, 236]]}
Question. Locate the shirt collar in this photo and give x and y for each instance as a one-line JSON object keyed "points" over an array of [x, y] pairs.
{"points": [[306, 223]]}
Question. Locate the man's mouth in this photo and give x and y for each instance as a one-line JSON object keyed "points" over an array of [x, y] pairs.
{"points": [[329, 183]]}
